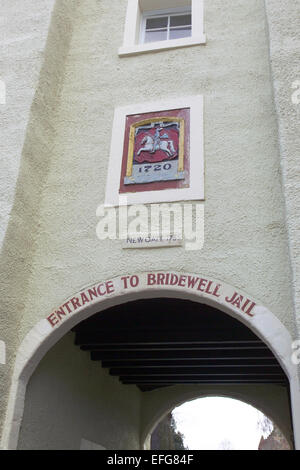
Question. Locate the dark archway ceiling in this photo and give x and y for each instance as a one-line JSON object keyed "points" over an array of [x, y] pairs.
{"points": [[160, 342]]}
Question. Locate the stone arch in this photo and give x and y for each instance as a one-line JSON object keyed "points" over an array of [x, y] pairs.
{"points": [[145, 285]]}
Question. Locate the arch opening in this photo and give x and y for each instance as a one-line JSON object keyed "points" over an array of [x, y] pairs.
{"points": [[217, 423], [263, 325]]}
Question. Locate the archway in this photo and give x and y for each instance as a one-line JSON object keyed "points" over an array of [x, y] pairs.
{"points": [[123, 289], [218, 423], [272, 401]]}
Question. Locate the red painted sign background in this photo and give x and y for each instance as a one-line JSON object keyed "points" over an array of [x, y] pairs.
{"points": [[158, 185]]}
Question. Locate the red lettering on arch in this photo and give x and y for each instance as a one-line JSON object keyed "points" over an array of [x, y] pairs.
{"points": [[99, 290], [192, 281], [110, 288], [92, 293], [151, 279], [84, 298], [60, 313], [52, 319], [160, 279], [75, 302]]}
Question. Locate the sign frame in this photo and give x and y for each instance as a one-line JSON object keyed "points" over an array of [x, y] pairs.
{"points": [[195, 191], [132, 132]]}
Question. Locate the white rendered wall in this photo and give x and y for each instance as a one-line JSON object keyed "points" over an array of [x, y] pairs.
{"points": [[23, 30], [52, 250], [245, 237], [70, 398], [284, 26], [41, 48]]}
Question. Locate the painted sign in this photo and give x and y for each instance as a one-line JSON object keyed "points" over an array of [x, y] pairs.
{"points": [[156, 151], [142, 241], [207, 288]]}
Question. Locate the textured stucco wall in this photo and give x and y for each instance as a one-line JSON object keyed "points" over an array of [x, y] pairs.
{"points": [[20, 240], [70, 398], [245, 240], [51, 249], [284, 26], [23, 31]]}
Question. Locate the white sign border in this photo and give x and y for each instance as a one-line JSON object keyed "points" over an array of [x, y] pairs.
{"points": [[196, 189]]}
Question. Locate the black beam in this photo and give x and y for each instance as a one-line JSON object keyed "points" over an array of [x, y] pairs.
{"points": [[172, 347], [141, 346], [168, 382], [242, 361], [178, 354], [204, 375], [203, 370], [135, 335]]}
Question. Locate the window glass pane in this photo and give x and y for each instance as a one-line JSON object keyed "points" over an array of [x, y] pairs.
{"points": [[181, 20], [153, 23], [151, 36], [180, 33]]}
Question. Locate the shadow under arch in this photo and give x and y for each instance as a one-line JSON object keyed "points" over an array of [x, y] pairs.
{"points": [[250, 395], [44, 335]]}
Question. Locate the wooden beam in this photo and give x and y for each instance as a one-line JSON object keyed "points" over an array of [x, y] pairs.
{"points": [[242, 361], [203, 370], [199, 373], [159, 335], [168, 382], [141, 346], [179, 354]]}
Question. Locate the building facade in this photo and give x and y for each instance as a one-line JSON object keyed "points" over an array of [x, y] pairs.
{"points": [[218, 81]]}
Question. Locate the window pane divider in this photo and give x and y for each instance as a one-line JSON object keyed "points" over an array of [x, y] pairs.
{"points": [[168, 28], [180, 27], [156, 29], [165, 28]]}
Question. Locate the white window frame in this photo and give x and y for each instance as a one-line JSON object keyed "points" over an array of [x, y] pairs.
{"points": [[132, 44], [162, 14], [195, 191]]}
